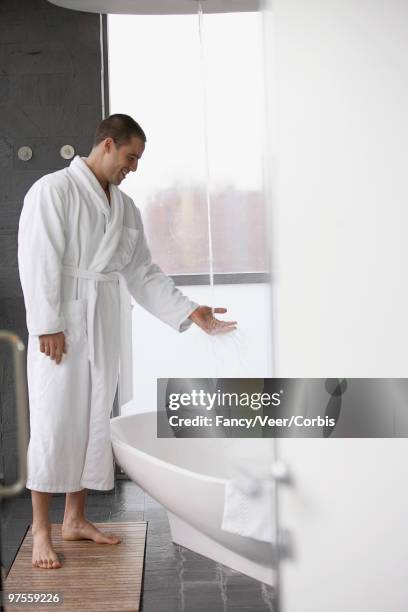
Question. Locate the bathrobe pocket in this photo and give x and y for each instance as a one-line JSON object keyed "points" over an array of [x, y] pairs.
{"points": [[74, 313], [125, 249], [47, 380]]}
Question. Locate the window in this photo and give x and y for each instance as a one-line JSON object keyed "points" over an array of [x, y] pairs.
{"points": [[155, 74]]}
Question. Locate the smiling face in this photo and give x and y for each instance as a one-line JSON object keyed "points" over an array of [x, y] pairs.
{"points": [[119, 161]]}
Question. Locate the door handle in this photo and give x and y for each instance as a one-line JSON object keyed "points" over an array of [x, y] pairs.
{"points": [[21, 399]]}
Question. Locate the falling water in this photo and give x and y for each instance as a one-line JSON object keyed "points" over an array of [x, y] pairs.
{"points": [[207, 172], [232, 345], [206, 156]]}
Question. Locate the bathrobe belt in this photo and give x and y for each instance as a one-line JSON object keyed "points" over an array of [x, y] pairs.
{"points": [[95, 278]]}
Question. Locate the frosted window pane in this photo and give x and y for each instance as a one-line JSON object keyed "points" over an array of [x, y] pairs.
{"points": [[155, 76]]}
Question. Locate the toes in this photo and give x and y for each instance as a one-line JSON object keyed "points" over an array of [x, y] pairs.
{"points": [[113, 538], [46, 563], [108, 540]]}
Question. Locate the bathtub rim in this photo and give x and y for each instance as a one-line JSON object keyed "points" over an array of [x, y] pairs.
{"points": [[156, 460]]}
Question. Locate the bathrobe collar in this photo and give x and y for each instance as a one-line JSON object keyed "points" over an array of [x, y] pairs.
{"points": [[87, 181]]}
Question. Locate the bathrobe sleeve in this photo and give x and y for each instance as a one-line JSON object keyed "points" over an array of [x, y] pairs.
{"points": [[152, 288], [41, 244]]}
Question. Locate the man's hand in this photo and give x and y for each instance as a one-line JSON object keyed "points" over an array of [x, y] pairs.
{"points": [[204, 318], [53, 345]]}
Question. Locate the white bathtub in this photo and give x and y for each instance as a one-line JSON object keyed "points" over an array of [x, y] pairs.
{"points": [[188, 478]]}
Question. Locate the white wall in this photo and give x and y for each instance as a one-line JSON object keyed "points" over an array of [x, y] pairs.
{"points": [[340, 209], [337, 75]]}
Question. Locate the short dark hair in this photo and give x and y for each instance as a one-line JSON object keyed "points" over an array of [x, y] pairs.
{"points": [[120, 128]]}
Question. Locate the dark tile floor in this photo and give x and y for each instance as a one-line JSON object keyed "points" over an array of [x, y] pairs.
{"points": [[175, 578]]}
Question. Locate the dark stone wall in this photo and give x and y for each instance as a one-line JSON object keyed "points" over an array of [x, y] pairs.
{"points": [[50, 95]]}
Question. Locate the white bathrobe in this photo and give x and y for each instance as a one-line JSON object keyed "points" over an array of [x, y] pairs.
{"points": [[78, 258]]}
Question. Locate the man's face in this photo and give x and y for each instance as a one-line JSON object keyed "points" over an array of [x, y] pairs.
{"points": [[118, 162]]}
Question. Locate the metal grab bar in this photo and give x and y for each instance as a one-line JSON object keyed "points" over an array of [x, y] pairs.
{"points": [[21, 396]]}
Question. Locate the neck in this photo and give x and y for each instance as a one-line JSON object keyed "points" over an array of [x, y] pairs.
{"points": [[93, 164]]}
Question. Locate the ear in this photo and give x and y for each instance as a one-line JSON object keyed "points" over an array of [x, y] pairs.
{"points": [[108, 143]]}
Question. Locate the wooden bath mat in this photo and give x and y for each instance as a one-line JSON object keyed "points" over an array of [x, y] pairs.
{"points": [[93, 577]]}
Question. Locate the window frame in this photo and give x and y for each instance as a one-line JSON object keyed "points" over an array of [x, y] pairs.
{"points": [[222, 278]]}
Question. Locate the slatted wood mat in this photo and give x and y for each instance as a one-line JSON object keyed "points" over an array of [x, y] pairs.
{"points": [[93, 577]]}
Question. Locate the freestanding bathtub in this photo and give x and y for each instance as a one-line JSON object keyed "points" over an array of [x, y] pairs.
{"points": [[188, 477]]}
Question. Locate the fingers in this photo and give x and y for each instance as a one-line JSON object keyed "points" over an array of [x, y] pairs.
{"points": [[53, 346], [59, 349], [219, 310], [224, 323], [221, 327]]}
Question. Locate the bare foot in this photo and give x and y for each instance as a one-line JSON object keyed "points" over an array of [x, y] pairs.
{"points": [[82, 529], [44, 555]]}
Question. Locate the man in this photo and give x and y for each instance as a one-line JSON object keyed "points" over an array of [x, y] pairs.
{"points": [[79, 237]]}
